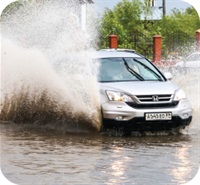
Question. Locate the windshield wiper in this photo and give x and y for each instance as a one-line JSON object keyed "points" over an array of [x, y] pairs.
{"points": [[149, 69], [132, 71]]}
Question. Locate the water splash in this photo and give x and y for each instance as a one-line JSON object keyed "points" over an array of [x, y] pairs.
{"points": [[47, 67], [190, 83]]}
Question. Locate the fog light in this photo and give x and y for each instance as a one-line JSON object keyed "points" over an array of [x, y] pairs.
{"points": [[119, 118], [186, 115]]}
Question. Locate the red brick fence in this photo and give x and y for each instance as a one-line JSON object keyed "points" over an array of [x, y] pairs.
{"points": [[157, 45]]}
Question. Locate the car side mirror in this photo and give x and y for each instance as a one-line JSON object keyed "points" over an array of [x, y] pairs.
{"points": [[168, 75]]}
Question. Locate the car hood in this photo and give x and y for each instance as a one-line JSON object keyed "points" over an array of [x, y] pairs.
{"points": [[141, 87]]}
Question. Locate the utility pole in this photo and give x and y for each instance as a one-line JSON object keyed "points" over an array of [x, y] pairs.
{"points": [[84, 13], [164, 7]]}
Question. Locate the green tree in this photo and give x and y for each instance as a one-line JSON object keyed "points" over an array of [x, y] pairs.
{"points": [[124, 19], [184, 21], [131, 16], [181, 24]]}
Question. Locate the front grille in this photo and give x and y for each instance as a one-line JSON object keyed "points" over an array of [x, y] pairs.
{"points": [[153, 105], [153, 101], [153, 98]]}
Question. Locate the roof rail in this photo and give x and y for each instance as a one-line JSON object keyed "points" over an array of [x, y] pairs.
{"points": [[127, 50], [120, 49]]}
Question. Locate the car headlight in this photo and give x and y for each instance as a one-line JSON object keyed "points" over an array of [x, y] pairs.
{"points": [[118, 96], [179, 95]]}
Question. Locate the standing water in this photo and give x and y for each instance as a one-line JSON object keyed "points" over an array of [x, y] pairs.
{"points": [[50, 109]]}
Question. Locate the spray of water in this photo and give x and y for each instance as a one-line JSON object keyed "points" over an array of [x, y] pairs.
{"points": [[48, 75], [190, 82]]}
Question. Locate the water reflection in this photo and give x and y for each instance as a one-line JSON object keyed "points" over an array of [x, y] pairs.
{"points": [[118, 166], [182, 168], [97, 159]]}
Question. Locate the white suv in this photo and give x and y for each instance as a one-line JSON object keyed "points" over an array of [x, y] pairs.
{"points": [[136, 96]]}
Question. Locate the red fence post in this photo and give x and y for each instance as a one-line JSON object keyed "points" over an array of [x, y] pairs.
{"points": [[113, 41], [198, 40], [157, 48]]}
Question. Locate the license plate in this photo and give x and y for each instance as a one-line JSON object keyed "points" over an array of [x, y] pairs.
{"points": [[158, 116]]}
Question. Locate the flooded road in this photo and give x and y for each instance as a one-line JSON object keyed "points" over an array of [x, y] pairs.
{"points": [[31, 156], [46, 78]]}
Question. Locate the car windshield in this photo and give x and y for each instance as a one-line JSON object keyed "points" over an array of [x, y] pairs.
{"points": [[127, 69]]}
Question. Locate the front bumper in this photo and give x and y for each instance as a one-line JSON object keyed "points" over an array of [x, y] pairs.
{"points": [[139, 124], [119, 114]]}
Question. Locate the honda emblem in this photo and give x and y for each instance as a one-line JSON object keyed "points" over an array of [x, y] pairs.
{"points": [[155, 98]]}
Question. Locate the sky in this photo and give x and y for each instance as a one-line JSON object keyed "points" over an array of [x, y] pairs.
{"points": [[170, 4]]}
